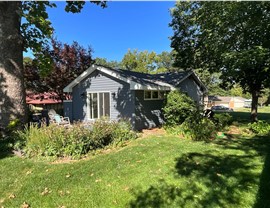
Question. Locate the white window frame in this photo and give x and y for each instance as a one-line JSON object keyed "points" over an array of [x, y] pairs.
{"points": [[88, 106], [158, 91]]}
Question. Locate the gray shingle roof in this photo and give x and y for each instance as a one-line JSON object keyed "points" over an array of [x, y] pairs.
{"points": [[164, 81], [171, 78]]}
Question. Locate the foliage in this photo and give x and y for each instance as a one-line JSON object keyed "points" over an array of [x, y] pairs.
{"points": [[59, 141], [212, 81], [229, 37], [106, 63], [260, 127], [148, 62], [177, 130], [68, 62], [182, 117], [222, 120], [142, 61], [105, 132], [199, 128], [165, 62], [178, 108], [264, 97]]}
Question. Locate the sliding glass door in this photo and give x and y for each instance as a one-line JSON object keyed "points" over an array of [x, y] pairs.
{"points": [[99, 105]]}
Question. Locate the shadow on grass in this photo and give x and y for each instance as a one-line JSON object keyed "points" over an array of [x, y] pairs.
{"points": [[215, 178], [5, 148], [244, 117], [263, 199]]}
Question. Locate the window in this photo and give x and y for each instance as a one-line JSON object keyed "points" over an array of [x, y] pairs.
{"points": [[98, 105], [147, 94], [154, 95]]}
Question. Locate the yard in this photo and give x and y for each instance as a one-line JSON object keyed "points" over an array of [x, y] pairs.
{"points": [[153, 171]]}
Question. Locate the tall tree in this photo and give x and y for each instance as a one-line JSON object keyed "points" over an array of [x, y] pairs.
{"points": [[68, 61], [165, 62], [231, 37], [140, 61], [14, 38], [105, 62]]}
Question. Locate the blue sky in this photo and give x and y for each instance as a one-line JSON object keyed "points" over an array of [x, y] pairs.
{"points": [[121, 26]]}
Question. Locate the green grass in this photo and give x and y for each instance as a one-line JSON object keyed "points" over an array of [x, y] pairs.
{"points": [[159, 171], [242, 115]]}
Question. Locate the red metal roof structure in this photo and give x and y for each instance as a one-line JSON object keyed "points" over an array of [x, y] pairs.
{"points": [[42, 98]]}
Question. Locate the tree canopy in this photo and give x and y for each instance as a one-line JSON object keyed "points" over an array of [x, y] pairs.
{"points": [[230, 37], [68, 61]]}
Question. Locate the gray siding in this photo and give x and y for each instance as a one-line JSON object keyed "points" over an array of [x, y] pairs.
{"points": [[68, 109], [192, 89], [148, 112], [121, 98]]}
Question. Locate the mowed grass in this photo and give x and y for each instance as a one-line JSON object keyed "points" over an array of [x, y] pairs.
{"points": [[157, 171], [243, 114]]}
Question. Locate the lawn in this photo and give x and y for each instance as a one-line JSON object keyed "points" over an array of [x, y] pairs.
{"points": [[157, 171], [243, 114]]}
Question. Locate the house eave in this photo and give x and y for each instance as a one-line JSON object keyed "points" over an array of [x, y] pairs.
{"points": [[133, 85], [136, 86]]}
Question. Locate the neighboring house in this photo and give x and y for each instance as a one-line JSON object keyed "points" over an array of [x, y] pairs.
{"points": [[46, 100], [227, 101], [115, 93]]}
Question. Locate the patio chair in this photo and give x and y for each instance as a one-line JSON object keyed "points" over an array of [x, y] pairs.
{"points": [[60, 120], [57, 119]]}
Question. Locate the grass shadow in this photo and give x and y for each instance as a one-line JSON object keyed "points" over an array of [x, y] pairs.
{"points": [[263, 199], [245, 117], [5, 148], [215, 178]]}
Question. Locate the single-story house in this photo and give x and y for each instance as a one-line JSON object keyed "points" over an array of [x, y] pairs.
{"points": [[115, 93], [227, 101]]}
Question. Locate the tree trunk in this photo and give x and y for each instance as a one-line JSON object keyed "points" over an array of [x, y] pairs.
{"points": [[254, 105], [12, 91]]}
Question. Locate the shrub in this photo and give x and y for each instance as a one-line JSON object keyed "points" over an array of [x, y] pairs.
{"points": [[123, 132], [105, 132], [178, 108], [199, 127], [222, 120], [260, 127], [102, 131], [76, 141], [177, 130]]}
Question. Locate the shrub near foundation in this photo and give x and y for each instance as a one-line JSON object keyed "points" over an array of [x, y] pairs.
{"points": [[198, 127], [72, 142], [178, 108]]}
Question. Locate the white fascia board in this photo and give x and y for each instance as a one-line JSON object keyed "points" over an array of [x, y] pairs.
{"points": [[79, 79], [113, 74], [137, 86]]}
